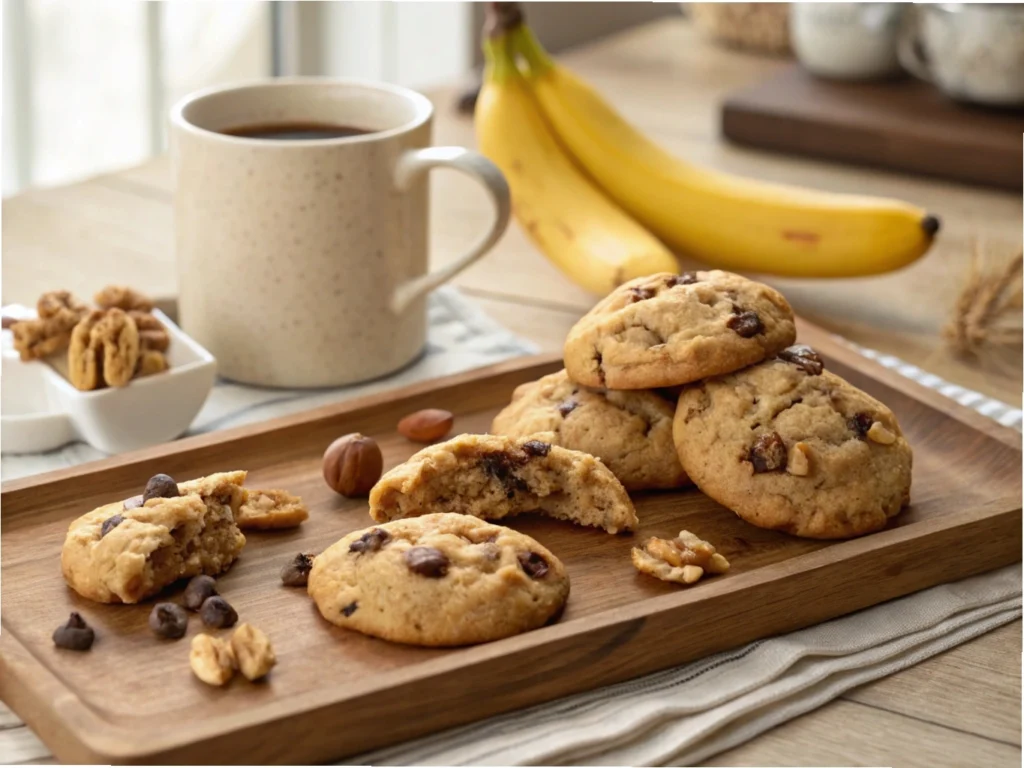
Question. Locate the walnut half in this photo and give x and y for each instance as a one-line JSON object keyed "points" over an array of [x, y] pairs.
{"points": [[684, 559]]}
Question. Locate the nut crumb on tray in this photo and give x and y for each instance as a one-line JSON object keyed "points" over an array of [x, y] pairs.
{"points": [[684, 559]]}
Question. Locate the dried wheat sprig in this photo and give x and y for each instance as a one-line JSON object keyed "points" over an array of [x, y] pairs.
{"points": [[987, 312]]}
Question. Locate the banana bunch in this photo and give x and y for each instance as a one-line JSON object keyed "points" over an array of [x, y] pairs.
{"points": [[605, 203]]}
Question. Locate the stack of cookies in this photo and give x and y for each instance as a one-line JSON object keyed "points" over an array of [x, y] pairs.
{"points": [[695, 378]]}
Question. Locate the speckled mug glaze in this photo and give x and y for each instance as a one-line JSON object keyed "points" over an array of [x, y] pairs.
{"points": [[304, 263]]}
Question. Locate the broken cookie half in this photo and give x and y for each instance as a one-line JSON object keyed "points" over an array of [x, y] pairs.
{"points": [[129, 550], [493, 477]]}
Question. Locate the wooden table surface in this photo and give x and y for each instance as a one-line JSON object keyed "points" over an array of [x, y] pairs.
{"points": [[962, 707]]}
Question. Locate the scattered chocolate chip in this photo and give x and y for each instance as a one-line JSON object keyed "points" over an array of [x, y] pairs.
{"points": [[296, 573], [535, 566], [198, 590], [501, 467], [371, 541], [74, 635], [640, 294], [804, 357], [567, 406], [861, 423], [536, 448], [686, 278], [745, 322], [351, 608], [427, 561], [110, 524], [160, 487], [768, 453], [168, 620], [217, 612], [134, 502]]}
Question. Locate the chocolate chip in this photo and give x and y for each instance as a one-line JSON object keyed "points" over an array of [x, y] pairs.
{"points": [[768, 453], [567, 406], [160, 487], [745, 322], [640, 294], [861, 423], [216, 612], [110, 524], [804, 357], [74, 635], [686, 278], [535, 566], [168, 620], [371, 541], [501, 467], [351, 608], [536, 448], [198, 590], [427, 561], [134, 502], [296, 573]]}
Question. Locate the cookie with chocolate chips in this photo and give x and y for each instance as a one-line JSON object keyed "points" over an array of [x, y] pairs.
{"points": [[438, 580], [790, 446], [630, 431], [665, 330], [495, 476]]}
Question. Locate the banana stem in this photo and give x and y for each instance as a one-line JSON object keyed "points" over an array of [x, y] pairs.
{"points": [[500, 64], [525, 43]]}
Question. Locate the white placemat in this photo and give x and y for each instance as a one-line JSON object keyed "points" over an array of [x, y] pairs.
{"points": [[681, 715]]}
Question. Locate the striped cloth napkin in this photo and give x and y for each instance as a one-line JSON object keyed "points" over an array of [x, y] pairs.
{"points": [[681, 715]]}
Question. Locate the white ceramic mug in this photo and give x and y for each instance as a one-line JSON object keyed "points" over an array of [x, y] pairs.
{"points": [[304, 263], [846, 41], [971, 52]]}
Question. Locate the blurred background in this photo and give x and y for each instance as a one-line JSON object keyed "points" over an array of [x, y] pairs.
{"points": [[63, 58]]}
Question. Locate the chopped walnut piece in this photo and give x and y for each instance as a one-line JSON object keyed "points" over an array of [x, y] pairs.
{"points": [[799, 462], [60, 304], [104, 350], [152, 334], [683, 559], [59, 312], [879, 433], [123, 297]]}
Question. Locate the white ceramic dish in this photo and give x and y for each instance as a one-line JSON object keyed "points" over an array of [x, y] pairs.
{"points": [[41, 411]]}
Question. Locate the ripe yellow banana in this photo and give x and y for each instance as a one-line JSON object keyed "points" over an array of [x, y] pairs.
{"points": [[726, 221], [589, 238]]}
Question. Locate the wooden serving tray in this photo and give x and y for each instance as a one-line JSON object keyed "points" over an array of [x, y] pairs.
{"points": [[336, 693], [902, 125]]}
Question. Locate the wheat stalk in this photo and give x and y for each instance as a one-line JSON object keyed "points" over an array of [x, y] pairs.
{"points": [[987, 314]]}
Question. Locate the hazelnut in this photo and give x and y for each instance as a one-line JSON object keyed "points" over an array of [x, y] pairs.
{"points": [[427, 425], [353, 464]]}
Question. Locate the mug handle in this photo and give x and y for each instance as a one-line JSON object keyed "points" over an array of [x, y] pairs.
{"points": [[909, 49], [416, 162]]}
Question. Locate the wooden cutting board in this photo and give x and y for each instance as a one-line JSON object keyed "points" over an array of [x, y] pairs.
{"points": [[903, 125], [336, 693]]}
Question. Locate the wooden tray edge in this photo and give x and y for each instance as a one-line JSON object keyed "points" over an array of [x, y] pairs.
{"points": [[899, 560]]}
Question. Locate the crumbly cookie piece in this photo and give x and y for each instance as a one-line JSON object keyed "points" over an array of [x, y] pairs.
{"points": [[123, 297], [493, 477], [59, 312], [665, 330], [438, 580], [104, 350], [630, 431], [683, 559], [271, 509], [790, 446], [127, 551]]}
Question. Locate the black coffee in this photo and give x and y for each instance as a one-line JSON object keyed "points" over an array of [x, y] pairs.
{"points": [[295, 131]]}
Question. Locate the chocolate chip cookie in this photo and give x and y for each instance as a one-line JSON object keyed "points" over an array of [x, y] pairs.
{"points": [[630, 431], [129, 550], [665, 330], [787, 445], [438, 580], [493, 477]]}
